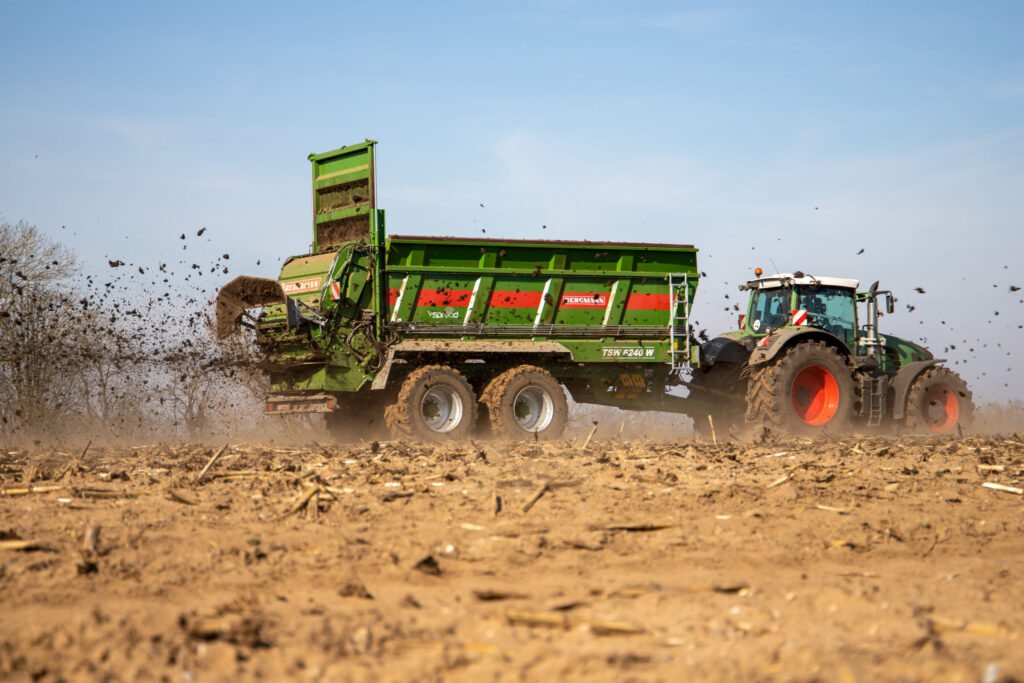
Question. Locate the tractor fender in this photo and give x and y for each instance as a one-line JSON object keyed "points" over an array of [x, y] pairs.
{"points": [[772, 345], [724, 350], [901, 385]]}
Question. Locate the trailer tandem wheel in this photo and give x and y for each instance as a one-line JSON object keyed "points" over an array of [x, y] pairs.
{"points": [[526, 402], [436, 403]]}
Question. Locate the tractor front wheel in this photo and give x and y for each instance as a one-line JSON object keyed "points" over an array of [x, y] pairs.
{"points": [[938, 402], [808, 391]]}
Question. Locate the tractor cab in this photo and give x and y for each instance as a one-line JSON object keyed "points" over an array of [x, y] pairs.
{"points": [[793, 300], [796, 299]]}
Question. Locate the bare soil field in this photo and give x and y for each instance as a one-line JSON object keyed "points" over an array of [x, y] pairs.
{"points": [[852, 560]]}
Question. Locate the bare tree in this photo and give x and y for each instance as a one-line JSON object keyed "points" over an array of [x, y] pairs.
{"points": [[38, 329], [111, 362], [28, 256], [214, 382], [114, 386]]}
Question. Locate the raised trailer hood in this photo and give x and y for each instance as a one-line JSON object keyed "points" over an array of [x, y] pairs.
{"points": [[302, 278], [242, 293]]}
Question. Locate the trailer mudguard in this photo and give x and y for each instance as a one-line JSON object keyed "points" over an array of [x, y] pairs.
{"points": [[901, 385], [771, 345], [414, 346]]}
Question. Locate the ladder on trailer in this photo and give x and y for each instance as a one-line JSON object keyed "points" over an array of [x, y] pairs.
{"points": [[677, 282]]}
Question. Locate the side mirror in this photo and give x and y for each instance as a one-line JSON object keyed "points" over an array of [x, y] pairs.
{"points": [[890, 304]]}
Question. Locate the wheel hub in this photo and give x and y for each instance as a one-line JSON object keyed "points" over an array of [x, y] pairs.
{"points": [[533, 409], [815, 395], [941, 409], [441, 409]]}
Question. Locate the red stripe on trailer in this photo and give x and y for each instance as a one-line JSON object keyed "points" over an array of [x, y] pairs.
{"points": [[800, 317], [513, 299], [335, 291], [649, 302], [444, 297]]}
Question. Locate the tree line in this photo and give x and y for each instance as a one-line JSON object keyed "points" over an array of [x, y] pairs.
{"points": [[85, 359]]}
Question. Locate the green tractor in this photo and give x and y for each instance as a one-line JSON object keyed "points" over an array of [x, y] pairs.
{"points": [[805, 360]]}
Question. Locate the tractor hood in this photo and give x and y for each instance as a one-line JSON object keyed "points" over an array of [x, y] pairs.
{"points": [[907, 351]]}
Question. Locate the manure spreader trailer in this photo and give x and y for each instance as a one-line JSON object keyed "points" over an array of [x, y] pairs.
{"points": [[439, 337]]}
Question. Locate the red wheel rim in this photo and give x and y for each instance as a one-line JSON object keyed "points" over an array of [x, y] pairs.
{"points": [[941, 409], [815, 395]]}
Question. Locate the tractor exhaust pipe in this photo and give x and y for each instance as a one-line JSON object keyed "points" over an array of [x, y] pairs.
{"points": [[870, 341]]}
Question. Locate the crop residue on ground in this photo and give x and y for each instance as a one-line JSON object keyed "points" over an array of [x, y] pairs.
{"points": [[846, 560]]}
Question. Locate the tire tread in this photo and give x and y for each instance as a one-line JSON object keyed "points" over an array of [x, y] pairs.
{"points": [[934, 376], [397, 414], [491, 396], [768, 403]]}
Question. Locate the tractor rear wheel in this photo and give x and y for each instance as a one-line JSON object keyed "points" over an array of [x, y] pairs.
{"points": [[435, 403], [808, 391], [938, 402], [526, 403]]}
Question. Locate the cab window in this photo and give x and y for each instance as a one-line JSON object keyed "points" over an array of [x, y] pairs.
{"points": [[830, 308], [769, 309]]}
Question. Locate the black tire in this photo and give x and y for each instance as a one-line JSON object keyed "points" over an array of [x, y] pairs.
{"points": [[435, 403], [808, 391], [526, 403], [721, 378], [938, 403]]}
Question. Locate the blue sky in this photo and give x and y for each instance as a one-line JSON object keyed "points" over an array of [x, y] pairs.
{"points": [[793, 133]]}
